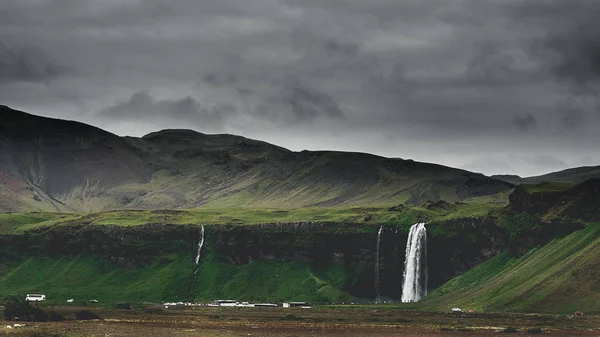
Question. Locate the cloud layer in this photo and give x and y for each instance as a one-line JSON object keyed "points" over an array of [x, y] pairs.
{"points": [[489, 85]]}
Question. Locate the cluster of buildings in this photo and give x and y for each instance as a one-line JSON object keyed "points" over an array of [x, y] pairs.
{"points": [[234, 303]]}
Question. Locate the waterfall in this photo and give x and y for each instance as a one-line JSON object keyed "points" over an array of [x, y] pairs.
{"points": [[200, 244], [377, 294], [414, 284]]}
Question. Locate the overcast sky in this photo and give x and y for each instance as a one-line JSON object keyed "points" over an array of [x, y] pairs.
{"points": [[502, 86]]}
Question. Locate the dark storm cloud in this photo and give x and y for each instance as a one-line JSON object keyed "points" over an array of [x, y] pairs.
{"points": [[27, 64], [438, 80], [307, 104], [141, 106], [572, 46]]}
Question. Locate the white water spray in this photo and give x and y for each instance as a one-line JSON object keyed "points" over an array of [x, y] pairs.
{"points": [[377, 294], [200, 244], [414, 284]]}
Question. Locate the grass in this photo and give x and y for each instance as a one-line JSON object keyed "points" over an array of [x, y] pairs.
{"points": [[560, 277], [20, 222], [10, 222], [84, 278]]}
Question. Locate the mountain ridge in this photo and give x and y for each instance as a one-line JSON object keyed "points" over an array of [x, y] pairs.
{"points": [[51, 164]]}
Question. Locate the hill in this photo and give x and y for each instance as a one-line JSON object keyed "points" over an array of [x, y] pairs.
{"points": [[572, 176], [560, 277], [55, 165], [555, 180]]}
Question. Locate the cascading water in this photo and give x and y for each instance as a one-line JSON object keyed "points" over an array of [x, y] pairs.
{"points": [[200, 244], [377, 294], [414, 284]]}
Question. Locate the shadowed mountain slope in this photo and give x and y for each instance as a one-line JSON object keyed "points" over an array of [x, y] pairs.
{"points": [[51, 164], [44, 160]]}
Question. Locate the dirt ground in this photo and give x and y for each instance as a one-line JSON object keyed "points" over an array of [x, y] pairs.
{"points": [[278, 322]]}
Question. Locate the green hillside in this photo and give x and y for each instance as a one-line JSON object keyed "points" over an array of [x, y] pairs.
{"points": [[560, 277]]}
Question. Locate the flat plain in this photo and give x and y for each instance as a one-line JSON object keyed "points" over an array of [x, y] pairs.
{"points": [[321, 321]]}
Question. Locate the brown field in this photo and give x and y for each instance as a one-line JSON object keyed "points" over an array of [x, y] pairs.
{"points": [[276, 322]]}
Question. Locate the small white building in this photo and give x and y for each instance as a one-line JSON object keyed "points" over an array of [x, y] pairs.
{"points": [[35, 297]]}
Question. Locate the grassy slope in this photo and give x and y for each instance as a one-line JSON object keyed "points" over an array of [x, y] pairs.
{"points": [[19, 222], [11, 222], [560, 277], [85, 278], [315, 182]]}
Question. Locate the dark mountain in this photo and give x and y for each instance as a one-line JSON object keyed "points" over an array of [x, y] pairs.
{"points": [[49, 161], [52, 164]]}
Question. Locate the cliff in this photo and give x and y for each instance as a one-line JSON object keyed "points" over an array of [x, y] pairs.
{"points": [[333, 261]]}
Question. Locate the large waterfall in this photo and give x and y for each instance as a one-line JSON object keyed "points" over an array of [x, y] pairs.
{"points": [[200, 244], [377, 294], [414, 283]]}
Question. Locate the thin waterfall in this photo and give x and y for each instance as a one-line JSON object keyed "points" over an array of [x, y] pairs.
{"points": [[200, 244], [414, 284], [377, 281]]}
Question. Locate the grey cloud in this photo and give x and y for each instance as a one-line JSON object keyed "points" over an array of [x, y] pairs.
{"points": [[296, 103], [575, 52], [27, 64], [525, 122], [309, 43], [569, 43], [571, 113], [348, 49], [546, 161], [307, 104], [491, 64], [571, 119], [220, 79], [186, 110]]}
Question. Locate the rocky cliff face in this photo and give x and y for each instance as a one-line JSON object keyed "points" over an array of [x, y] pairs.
{"points": [[458, 245]]}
